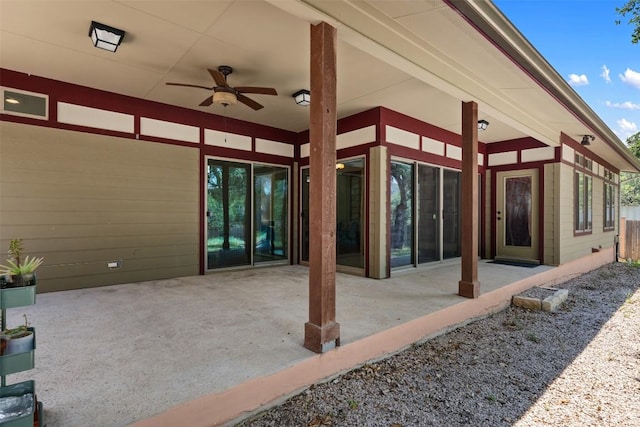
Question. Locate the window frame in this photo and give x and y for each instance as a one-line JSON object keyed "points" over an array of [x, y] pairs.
{"points": [[582, 196], [609, 201]]}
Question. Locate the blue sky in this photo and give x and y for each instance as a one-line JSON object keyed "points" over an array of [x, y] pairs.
{"points": [[580, 39]]}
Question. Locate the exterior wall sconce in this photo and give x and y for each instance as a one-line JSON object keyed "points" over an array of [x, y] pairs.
{"points": [[483, 124], [105, 37], [586, 139], [302, 97]]}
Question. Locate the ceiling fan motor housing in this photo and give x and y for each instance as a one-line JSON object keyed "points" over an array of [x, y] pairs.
{"points": [[226, 70]]}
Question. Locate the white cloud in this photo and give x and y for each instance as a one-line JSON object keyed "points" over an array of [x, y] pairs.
{"points": [[578, 80], [626, 125], [625, 129], [627, 105], [631, 78], [605, 74]]}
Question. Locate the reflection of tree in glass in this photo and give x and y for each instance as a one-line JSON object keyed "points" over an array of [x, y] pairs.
{"points": [[518, 207], [400, 203]]}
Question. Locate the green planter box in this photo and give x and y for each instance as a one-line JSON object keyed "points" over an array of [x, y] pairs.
{"points": [[18, 362], [17, 297], [21, 389]]}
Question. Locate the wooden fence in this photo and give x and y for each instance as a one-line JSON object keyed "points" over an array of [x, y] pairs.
{"points": [[629, 248]]}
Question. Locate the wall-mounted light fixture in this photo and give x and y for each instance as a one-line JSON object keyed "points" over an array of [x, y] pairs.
{"points": [[586, 139], [483, 124], [302, 97], [105, 37]]}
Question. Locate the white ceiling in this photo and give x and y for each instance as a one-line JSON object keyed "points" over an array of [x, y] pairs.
{"points": [[430, 61]]}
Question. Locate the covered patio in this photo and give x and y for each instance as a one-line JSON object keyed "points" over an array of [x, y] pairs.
{"points": [[207, 350]]}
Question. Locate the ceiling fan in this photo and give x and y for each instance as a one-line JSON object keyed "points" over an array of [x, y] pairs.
{"points": [[226, 95]]}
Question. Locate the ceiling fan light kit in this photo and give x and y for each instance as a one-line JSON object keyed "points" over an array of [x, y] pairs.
{"points": [[223, 94], [225, 98]]}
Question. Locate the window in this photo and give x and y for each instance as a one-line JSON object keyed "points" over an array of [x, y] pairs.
{"points": [[609, 201], [22, 103], [582, 201]]}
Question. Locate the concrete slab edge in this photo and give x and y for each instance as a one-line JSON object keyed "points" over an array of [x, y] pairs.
{"points": [[244, 400]]}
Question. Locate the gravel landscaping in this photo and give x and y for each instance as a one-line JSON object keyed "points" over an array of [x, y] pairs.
{"points": [[578, 366]]}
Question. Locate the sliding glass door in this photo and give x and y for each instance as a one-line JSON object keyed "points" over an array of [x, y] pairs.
{"points": [[271, 213], [451, 225], [232, 238], [428, 228], [401, 200], [228, 214], [428, 213], [350, 213]]}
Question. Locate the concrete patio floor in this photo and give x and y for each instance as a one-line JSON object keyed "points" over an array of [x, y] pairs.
{"points": [[185, 351]]}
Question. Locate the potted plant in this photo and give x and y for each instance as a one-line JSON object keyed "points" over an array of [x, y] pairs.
{"points": [[19, 272], [17, 340]]}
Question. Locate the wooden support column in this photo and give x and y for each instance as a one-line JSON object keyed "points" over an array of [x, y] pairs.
{"points": [[321, 332], [469, 286]]}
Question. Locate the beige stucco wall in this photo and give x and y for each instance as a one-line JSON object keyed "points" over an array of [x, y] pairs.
{"points": [[573, 247], [82, 200]]}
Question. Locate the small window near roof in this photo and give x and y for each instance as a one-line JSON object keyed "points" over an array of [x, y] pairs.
{"points": [[26, 104]]}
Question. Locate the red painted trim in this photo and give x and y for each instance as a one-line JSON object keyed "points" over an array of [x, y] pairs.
{"points": [[359, 120], [80, 95], [581, 149], [421, 156], [410, 124], [514, 145]]}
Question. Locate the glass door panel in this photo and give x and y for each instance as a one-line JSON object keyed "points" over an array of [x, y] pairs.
{"points": [[401, 202], [517, 215], [428, 214], [228, 214], [350, 213], [271, 213], [451, 214]]}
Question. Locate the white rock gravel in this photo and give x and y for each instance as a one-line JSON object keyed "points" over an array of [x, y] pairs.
{"points": [[579, 366]]}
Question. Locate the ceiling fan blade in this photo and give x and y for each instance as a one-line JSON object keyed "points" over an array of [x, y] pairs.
{"points": [[249, 102], [259, 90], [188, 85], [218, 77], [208, 101]]}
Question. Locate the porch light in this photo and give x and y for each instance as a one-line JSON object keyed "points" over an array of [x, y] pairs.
{"points": [[586, 139], [105, 37], [302, 97], [483, 124]]}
